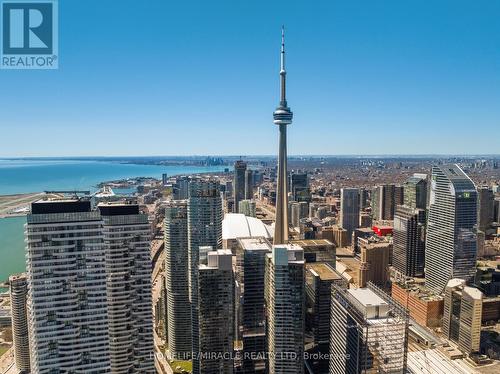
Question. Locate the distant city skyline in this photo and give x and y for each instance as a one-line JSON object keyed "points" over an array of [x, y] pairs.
{"points": [[390, 78]]}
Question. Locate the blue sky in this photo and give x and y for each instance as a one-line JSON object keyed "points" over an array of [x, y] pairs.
{"points": [[164, 77]]}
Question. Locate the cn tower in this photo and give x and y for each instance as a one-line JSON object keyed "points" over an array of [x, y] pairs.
{"points": [[282, 117]]}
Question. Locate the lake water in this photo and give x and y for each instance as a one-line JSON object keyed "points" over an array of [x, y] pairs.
{"points": [[24, 176]]}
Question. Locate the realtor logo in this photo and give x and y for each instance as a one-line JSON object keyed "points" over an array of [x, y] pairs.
{"points": [[29, 34]]}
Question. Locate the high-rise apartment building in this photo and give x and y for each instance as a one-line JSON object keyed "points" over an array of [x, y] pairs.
{"points": [[180, 188], [239, 185], [177, 284], [409, 241], [349, 210], [216, 313], [252, 254], [462, 315], [18, 297], [415, 191], [284, 295], [486, 202], [248, 208], [89, 298], [126, 234], [368, 332], [451, 239], [67, 300], [204, 229]]}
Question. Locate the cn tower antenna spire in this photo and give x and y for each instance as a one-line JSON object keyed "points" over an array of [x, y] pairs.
{"points": [[282, 69], [282, 117]]}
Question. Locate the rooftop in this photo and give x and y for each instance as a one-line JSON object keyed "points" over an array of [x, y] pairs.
{"points": [[255, 244], [366, 297], [324, 271], [312, 242], [51, 206]]}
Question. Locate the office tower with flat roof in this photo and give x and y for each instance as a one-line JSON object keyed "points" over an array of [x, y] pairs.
{"points": [[67, 300], [409, 241], [363, 198], [462, 315], [451, 239], [368, 332], [299, 187], [282, 118], [398, 195], [319, 279], [383, 202], [285, 306], [239, 185], [374, 261], [251, 256], [349, 210], [486, 212], [176, 273], [204, 229], [249, 183], [126, 234], [216, 313], [496, 211], [18, 297], [415, 191]]}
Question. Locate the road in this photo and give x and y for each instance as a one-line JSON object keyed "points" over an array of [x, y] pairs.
{"points": [[158, 259], [7, 361]]}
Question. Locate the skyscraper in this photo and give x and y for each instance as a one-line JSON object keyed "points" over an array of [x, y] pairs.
{"points": [[126, 234], [239, 185], [248, 208], [368, 332], [284, 295], [415, 191], [67, 301], [451, 241], [282, 117], [409, 241], [204, 229], [383, 202], [248, 184], [252, 254], [299, 187], [319, 278], [18, 297], [349, 210], [486, 212], [462, 315], [216, 313], [176, 273], [181, 188]]}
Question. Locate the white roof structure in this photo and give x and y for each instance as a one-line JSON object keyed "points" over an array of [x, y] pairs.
{"points": [[236, 225], [432, 361]]}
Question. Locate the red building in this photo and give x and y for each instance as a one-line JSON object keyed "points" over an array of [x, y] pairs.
{"points": [[382, 230]]}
